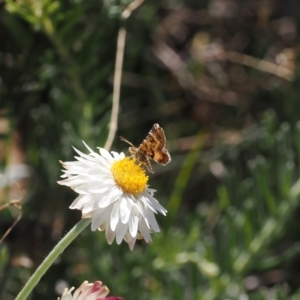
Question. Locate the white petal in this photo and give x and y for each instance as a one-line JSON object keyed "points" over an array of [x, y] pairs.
{"points": [[101, 161], [144, 230], [116, 155], [125, 208], [106, 155], [114, 216], [157, 206], [154, 204], [76, 170], [92, 205], [84, 143], [80, 201], [150, 191], [120, 232], [100, 217], [110, 198], [84, 188], [87, 162], [99, 171], [130, 240], [84, 157], [152, 220], [72, 181], [139, 206], [146, 202], [109, 234], [88, 208], [109, 181], [98, 189], [133, 225]]}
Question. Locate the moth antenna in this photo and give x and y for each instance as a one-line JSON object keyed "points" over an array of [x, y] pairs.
{"points": [[126, 141]]}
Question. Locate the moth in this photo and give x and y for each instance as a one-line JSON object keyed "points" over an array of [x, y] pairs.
{"points": [[152, 147]]}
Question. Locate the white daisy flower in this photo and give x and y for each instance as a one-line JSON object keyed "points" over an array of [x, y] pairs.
{"points": [[89, 291], [113, 192]]}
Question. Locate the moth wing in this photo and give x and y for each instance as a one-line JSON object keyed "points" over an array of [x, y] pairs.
{"points": [[153, 146], [163, 157]]}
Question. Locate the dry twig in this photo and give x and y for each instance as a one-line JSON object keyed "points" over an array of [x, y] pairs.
{"points": [[118, 73], [250, 61], [17, 204]]}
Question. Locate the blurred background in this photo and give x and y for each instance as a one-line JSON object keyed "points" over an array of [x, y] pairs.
{"points": [[221, 77]]}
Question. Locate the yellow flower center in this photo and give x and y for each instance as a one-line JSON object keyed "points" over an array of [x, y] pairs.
{"points": [[129, 176]]}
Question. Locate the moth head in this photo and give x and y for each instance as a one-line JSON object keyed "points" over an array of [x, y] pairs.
{"points": [[133, 150]]}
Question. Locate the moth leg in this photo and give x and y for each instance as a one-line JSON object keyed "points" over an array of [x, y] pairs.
{"points": [[147, 163]]}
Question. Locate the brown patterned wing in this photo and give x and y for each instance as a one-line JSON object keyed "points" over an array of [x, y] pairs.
{"points": [[158, 135], [154, 144], [163, 157]]}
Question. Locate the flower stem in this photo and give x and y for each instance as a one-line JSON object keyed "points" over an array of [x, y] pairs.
{"points": [[49, 260]]}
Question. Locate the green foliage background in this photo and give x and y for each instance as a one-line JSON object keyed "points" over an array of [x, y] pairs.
{"points": [[207, 72]]}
